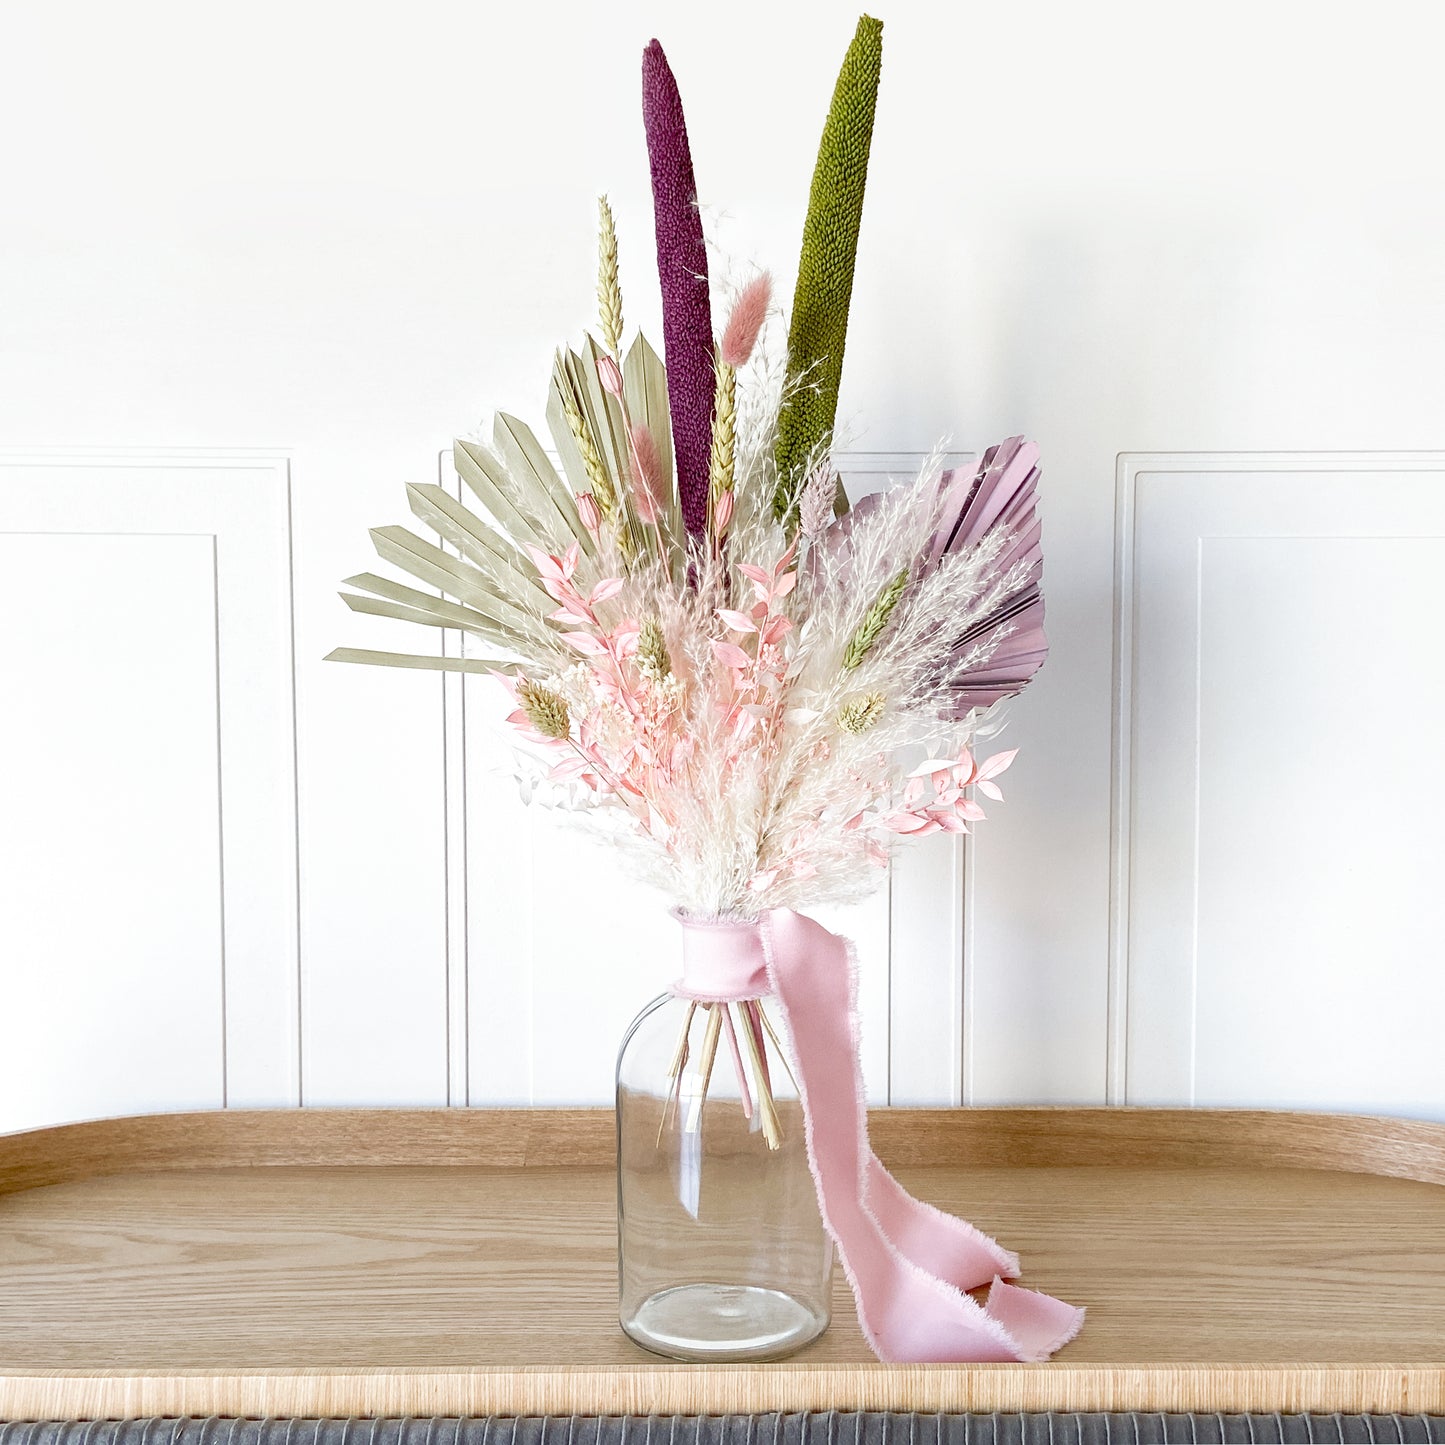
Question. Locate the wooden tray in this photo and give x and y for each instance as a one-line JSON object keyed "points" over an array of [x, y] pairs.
{"points": [[423, 1262]]}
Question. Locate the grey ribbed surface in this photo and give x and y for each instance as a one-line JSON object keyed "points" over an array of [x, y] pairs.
{"points": [[819, 1428]]}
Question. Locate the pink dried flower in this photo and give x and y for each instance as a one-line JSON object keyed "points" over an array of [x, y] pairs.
{"points": [[737, 621], [610, 375], [555, 569], [749, 312], [589, 512], [722, 513]]}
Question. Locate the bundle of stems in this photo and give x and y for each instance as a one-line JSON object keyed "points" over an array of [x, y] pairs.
{"points": [[749, 1060]]}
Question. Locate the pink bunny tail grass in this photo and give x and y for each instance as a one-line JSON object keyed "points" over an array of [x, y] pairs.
{"points": [[647, 472], [749, 312], [682, 273]]}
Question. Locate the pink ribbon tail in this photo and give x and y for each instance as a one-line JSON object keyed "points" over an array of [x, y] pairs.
{"points": [[908, 1263]]}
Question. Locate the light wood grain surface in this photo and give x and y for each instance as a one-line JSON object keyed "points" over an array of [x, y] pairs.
{"points": [[442, 1261]]}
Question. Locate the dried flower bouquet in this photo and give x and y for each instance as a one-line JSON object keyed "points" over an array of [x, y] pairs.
{"points": [[756, 689]]}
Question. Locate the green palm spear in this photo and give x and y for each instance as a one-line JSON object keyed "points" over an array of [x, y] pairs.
{"points": [[819, 325]]}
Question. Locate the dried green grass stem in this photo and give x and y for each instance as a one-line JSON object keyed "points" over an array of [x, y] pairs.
{"points": [[609, 287], [874, 622]]}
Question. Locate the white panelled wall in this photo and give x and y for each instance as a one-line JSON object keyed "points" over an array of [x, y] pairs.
{"points": [[1281, 920], [257, 267], [148, 785]]}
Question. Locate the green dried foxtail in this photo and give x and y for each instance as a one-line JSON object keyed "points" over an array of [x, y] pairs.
{"points": [[546, 709], [819, 324], [609, 287], [872, 625], [598, 477], [652, 658], [859, 714], [722, 458]]}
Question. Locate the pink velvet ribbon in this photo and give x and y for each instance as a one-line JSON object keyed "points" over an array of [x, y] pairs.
{"points": [[908, 1263]]}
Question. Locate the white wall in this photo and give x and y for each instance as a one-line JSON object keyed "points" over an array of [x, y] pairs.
{"points": [[343, 234]]}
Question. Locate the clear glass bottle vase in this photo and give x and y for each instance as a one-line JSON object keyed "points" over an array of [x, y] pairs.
{"points": [[721, 1252]]}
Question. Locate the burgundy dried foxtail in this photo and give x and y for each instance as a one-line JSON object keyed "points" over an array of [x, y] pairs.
{"points": [[682, 274]]}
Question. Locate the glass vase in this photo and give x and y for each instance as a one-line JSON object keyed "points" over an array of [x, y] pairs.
{"points": [[721, 1252]]}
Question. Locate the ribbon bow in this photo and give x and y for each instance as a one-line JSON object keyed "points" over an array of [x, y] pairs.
{"points": [[908, 1263]]}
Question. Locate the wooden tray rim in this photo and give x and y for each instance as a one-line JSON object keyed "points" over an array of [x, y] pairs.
{"points": [[678, 1389], [905, 1138]]}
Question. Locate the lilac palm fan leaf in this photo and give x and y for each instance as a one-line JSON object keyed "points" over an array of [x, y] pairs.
{"points": [[1002, 492], [682, 272], [999, 493]]}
